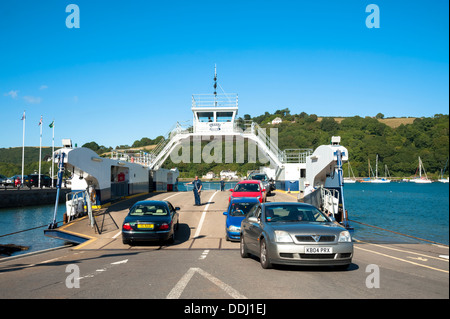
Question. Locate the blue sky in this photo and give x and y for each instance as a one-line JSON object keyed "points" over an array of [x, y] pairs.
{"points": [[130, 69]]}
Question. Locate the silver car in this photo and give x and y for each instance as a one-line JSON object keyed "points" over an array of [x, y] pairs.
{"points": [[294, 234]]}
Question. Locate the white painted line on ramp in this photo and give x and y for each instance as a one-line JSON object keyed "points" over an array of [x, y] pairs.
{"points": [[171, 196], [176, 291], [202, 219]]}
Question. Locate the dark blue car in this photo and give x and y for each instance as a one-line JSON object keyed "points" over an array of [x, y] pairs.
{"points": [[150, 220], [237, 210]]}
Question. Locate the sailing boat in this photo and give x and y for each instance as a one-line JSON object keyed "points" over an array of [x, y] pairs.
{"points": [[349, 180], [421, 179], [380, 180], [442, 179]]}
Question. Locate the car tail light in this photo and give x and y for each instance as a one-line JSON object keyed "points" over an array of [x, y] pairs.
{"points": [[164, 226], [127, 226]]}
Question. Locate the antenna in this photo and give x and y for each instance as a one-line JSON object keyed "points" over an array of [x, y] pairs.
{"points": [[215, 85]]}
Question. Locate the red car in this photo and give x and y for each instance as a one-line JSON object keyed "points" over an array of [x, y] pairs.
{"points": [[249, 188]]}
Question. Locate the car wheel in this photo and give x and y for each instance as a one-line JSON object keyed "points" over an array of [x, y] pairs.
{"points": [[171, 239], [243, 248], [264, 255]]}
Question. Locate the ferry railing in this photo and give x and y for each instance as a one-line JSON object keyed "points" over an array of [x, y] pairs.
{"points": [[206, 186], [327, 200], [213, 100], [287, 156], [330, 200], [296, 155], [75, 203]]}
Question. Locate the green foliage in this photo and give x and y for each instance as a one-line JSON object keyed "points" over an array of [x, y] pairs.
{"points": [[11, 160], [99, 149], [145, 141]]}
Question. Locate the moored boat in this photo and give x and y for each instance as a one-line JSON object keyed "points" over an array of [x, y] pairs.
{"points": [[421, 179]]}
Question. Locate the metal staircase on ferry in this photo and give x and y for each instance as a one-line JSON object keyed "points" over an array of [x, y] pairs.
{"points": [[214, 104]]}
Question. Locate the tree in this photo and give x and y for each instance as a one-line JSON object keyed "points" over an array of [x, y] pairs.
{"points": [[328, 124], [92, 145]]}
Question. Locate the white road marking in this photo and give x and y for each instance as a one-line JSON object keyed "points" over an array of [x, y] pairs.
{"points": [[204, 254], [202, 219], [176, 291], [101, 270], [171, 196], [120, 262]]}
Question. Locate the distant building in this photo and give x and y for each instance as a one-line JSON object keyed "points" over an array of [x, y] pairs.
{"points": [[209, 175], [277, 120], [227, 174]]}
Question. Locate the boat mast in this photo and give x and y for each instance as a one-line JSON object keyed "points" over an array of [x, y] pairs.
{"points": [[376, 168], [420, 168]]}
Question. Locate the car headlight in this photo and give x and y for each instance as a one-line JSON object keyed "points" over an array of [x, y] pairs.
{"points": [[234, 228], [344, 237], [282, 237]]}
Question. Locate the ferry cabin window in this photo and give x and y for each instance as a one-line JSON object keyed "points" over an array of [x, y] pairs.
{"points": [[224, 116], [205, 116]]}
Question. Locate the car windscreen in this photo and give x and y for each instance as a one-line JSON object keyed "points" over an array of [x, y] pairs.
{"points": [[293, 213], [241, 209], [247, 188], [148, 210]]}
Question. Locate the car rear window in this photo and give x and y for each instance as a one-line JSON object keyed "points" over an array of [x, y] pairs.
{"points": [[247, 188], [149, 210], [259, 177]]}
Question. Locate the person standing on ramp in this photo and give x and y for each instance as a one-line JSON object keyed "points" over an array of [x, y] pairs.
{"points": [[197, 189]]}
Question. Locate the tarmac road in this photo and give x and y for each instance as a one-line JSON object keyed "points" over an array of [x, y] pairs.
{"points": [[203, 265]]}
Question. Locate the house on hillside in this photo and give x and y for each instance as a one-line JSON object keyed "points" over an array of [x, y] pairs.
{"points": [[209, 175], [227, 174], [277, 120]]}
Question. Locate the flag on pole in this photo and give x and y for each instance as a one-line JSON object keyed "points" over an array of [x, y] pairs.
{"points": [[23, 116], [51, 124], [40, 122]]}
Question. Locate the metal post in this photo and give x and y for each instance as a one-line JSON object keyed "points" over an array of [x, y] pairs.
{"points": [[89, 206], [341, 186], [54, 224]]}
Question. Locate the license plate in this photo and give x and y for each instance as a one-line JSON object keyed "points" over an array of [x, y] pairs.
{"points": [[145, 226], [318, 250]]}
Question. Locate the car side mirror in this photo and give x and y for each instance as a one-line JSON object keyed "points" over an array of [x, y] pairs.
{"points": [[230, 189], [253, 219], [177, 208], [264, 190], [225, 213]]}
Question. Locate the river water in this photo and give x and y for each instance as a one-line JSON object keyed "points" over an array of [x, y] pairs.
{"points": [[420, 210]]}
